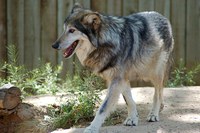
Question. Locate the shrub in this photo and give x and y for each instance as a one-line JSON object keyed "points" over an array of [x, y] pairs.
{"points": [[83, 89], [41, 80], [181, 76], [78, 108]]}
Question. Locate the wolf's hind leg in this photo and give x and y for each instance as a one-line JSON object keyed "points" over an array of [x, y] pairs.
{"points": [[111, 99], [132, 119], [157, 104]]}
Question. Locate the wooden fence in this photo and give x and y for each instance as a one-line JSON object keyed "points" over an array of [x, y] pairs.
{"points": [[33, 25]]}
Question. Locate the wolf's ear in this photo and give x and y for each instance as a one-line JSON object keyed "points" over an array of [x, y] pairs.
{"points": [[93, 20], [77, 7]]}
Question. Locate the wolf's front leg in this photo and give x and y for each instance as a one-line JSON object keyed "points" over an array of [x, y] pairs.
{"points": [[107, 106], [132, 119]]}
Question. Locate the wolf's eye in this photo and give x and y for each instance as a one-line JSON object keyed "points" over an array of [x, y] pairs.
{"points": [[71, 30]]}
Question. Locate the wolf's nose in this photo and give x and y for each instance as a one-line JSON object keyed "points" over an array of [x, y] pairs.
{"points": [[56, 45]]}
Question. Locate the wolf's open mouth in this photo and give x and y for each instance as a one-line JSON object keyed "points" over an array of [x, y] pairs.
{"points": [[70, 50]]}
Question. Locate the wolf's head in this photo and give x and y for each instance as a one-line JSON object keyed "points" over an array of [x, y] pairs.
{"points": [[80, 28]]}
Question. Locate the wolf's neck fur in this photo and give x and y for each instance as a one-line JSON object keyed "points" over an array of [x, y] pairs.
{"points": [[104, 56], [83, 50]]}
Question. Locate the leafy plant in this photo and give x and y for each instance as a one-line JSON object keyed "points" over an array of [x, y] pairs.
{"points": [[181, 76], [84, 81], [84, 88], [43, 79], [14, 72], [78, 108], [84, 91]]}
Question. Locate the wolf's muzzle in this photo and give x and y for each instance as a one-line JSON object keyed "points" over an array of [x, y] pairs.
{"points": [[56, 45]]}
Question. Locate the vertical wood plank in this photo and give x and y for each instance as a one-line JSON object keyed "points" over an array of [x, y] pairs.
{"points": [[130, 6], [15, 26], [178, 18], [163, 7], [20, 30], [32, 33], [3, 34], [193, 34], [84, 3], [48, 30], [64, 8], [146, 5], [96, 6], [114, 7]]}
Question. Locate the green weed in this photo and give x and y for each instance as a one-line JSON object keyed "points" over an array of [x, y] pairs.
{"points": [[84, 90], [181, 76], [78, 108]]}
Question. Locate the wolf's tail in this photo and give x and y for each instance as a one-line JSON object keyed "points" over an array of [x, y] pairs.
{"points": [[170, 63]]}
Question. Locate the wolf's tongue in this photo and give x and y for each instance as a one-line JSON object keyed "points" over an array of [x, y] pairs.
{"points": [[70, 49]]}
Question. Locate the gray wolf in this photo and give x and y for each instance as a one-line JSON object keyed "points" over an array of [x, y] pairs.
{"points": [[120, 49]]}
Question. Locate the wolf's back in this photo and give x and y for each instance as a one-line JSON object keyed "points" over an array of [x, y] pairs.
{"points": [[156, 26]]}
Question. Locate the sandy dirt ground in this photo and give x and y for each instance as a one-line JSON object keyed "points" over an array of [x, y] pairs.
{"points": [[181, 112]]}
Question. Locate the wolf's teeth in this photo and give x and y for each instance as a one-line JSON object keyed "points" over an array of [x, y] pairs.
{"points": [[65, 54], [70, 49]]}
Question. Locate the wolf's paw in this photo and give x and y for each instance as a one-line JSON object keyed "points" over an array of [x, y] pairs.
{"points": [[131, 121], [91, 129], [152, 117]]}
